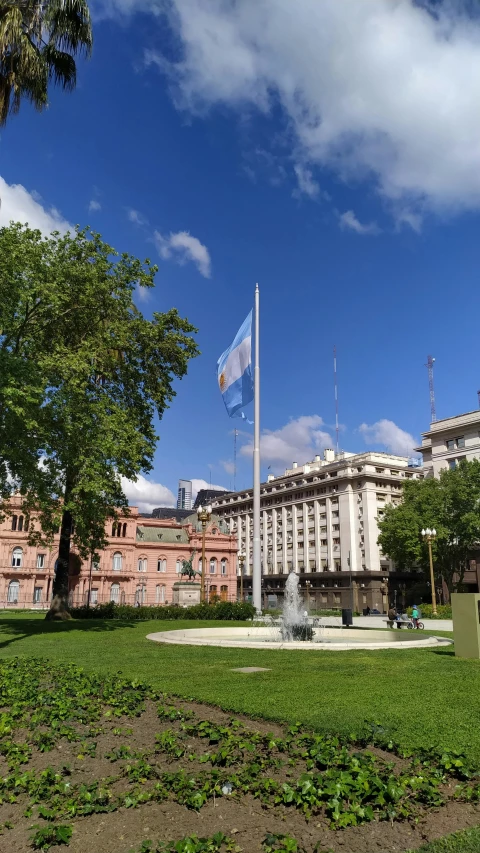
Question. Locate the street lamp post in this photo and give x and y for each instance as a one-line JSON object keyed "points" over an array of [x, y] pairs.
{"points": [[204, 514], [241, 560], [428, 536], [308, 585]]}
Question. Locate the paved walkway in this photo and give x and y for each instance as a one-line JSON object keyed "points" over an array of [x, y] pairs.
{"points": [[379, 622]]}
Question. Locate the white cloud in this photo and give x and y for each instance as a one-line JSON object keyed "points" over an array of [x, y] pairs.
{"points": [[388, 89], [228, 466], [94, 206], [387, 433], [182, 247], [348, 220], [307, 185], [146, 494], [298, 441], [135, 216], [202, 484], [20, 205]]}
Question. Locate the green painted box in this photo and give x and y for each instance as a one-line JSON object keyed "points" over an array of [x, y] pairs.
{"points": [[466, 624]]}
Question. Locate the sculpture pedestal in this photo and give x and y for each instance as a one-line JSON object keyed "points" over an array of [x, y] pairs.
{"points": [[186, 593]]}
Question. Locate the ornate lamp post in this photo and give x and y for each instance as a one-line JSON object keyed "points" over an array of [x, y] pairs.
{"points": [[241, 561], [308, 585], [428, 536], [204, 514]]}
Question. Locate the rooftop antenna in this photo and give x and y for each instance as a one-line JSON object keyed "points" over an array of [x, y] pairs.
{"points": [[336, 395], [478, 395], [429, 364], [235, 433]]}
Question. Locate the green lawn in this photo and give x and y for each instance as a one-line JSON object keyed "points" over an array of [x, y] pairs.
{"points": [[422, 697], [459, 842]]}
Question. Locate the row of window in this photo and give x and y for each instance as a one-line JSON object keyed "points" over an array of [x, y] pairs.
{"points": [[17, 563], [19, 523]]}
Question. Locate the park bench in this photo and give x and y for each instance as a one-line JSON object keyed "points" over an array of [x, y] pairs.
{"points": [[392, 622]]}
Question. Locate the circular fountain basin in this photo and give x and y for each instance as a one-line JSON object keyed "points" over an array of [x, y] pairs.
{"points": [[326, 638]]}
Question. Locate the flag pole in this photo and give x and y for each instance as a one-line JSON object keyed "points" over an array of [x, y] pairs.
{"points": [[257, 565]]}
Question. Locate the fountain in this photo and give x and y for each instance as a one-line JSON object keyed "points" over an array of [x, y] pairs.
{"points": [[294, 624]]}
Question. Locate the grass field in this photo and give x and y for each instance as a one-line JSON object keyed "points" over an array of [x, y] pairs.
{"points": [[422, 697]]}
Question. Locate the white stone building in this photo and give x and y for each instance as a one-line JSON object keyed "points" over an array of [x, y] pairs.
{"points": [[320, 519], [450, 440]]}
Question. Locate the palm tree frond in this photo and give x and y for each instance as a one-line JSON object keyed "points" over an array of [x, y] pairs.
{"points": [[61, 67]]}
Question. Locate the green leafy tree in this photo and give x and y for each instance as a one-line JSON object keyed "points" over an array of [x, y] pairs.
{"points": [[38, 43], [450, 504], [82, 376]]}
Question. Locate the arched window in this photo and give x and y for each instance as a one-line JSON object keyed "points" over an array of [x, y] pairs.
{"points": [[14, 522], [117, 561], [17, 558], [13, 592], [179, 565], [124, 530], [142, 564], [224, 566], [200, 564], [224, 593], [115, 592], [160, 593], [213, 566], [20, 522], [161, 564], [141, 594], [213, 593]]}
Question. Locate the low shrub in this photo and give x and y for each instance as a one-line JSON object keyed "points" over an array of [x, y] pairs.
{"points": [[444, 611], [238, 611]]}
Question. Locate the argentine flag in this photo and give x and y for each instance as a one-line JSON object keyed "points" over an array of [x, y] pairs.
{"points": [[235, 371]]}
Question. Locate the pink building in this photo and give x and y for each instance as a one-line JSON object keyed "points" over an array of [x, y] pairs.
{"points": [[141, 563]]}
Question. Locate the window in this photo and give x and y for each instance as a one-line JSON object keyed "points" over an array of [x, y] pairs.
{"points": [[179, 565], [160, 593], [41, 561], [124, 530], [37, 594], [161, 565], [213, 566], [460, 442], [96, 565], [200, 569], [14, 522], [117, 562], [20, 522], [213, 593], [115, 592], [142, 564], [17, 558], [224, 566], [141, 594], [451, 444], [93, 596], [452, 463], [224, 593], [13, 592]]}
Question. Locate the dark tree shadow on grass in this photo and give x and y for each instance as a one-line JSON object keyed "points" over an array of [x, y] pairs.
{"points": [[22, 628]]}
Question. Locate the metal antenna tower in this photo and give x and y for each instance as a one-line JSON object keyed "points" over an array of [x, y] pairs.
{"points": [[429, 364], [235, 433], [478, 395], [336, 396]]}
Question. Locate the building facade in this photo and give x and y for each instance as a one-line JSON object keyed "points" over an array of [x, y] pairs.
{"points": [[141, 563], [449, 441], [320, 519], [184, 497]]}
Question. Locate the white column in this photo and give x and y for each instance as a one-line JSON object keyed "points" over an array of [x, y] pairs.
{"points": [[284, 540], [318, 553], [294, 538], [265, 543], [306, 538], [248, 565]]}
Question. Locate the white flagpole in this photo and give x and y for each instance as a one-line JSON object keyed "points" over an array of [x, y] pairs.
{"points": [[257, 563]]}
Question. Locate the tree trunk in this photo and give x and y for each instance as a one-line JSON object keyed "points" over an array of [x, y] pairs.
{"points": [[59, 605]]}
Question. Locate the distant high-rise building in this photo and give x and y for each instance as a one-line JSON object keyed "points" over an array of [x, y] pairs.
{"points": [[184, 499]]}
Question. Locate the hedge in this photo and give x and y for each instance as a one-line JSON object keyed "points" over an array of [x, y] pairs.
{"points": [[223, 610], [444, 611]]}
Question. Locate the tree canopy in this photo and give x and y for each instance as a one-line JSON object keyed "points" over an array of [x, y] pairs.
{"points": [[451, 505], [82, 375], [38, 43]]}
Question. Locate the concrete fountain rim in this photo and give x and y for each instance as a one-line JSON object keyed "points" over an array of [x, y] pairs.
{"points": [[250, 638]]}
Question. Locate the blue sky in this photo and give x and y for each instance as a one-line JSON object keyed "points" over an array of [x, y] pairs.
{"points": [[331, 155]]}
